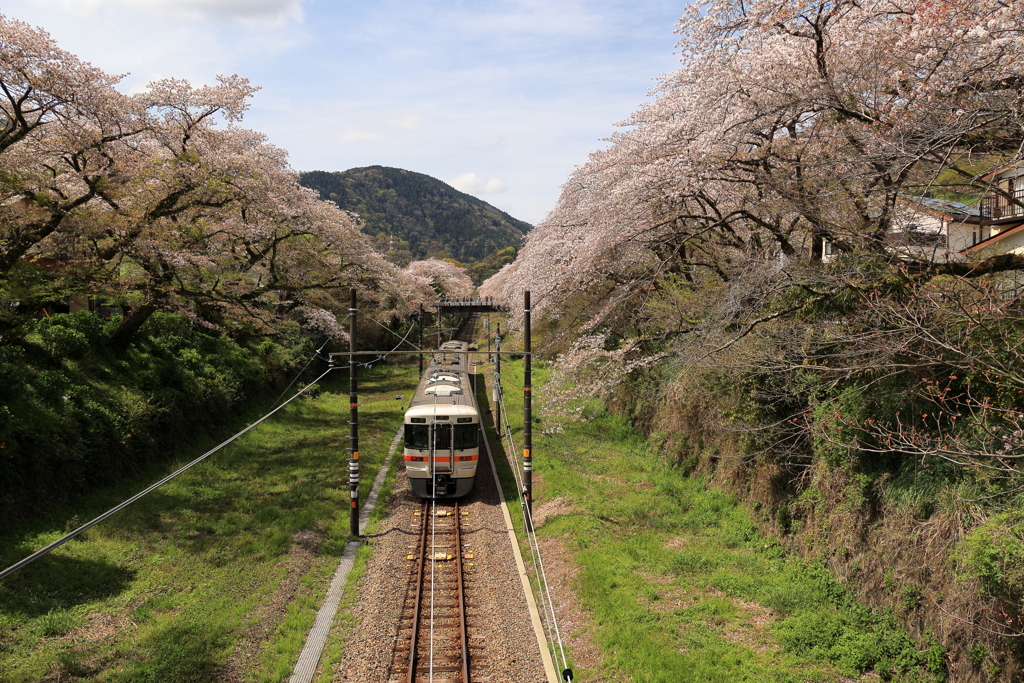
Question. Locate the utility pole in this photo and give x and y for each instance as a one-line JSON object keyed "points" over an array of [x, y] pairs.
{"points": [[527, 415], [353, 422]]}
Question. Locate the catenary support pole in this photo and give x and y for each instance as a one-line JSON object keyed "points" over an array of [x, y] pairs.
{"points": [[353, 422], [527, 414], [421, 340]]}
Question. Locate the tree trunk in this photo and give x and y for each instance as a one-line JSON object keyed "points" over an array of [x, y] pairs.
{"points": [[122, 337]]}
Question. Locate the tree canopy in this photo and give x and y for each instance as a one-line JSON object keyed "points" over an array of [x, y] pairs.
{"points": [[159, 200]]}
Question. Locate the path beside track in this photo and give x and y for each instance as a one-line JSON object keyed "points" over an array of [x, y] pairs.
{"points": [[309, 658]]}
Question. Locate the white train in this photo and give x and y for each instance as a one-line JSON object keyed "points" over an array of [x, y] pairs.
{"points": [[442, 427]]}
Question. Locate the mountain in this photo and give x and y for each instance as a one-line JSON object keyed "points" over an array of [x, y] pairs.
{"points": [[425, 216]]}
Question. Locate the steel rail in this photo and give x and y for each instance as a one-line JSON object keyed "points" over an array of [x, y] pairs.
{"points": [[419, 593], [462, 595]]}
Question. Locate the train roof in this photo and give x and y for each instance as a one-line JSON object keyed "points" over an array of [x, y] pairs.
{"points": [[430, 410], [445, 384]]}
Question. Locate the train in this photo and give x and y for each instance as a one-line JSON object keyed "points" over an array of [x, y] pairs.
{"points": [[442, 427]]}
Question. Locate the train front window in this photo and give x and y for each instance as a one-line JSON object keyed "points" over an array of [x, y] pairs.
{"points": [[442, 437], [466, 437], [417, 437]]}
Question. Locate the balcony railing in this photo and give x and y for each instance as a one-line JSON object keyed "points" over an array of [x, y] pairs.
{"points": [[997, 206]]}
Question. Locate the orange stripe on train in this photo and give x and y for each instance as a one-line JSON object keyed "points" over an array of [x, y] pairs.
{"points": [[458, 458]]}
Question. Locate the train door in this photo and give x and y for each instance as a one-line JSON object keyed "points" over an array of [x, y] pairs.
{"points": [[442, 457]]}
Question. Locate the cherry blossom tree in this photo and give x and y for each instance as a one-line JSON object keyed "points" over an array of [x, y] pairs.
{"points": [[789, 124], [686, 261], [443, 277], [146, 200], [61, 121], [234, 239], [699, 232]]}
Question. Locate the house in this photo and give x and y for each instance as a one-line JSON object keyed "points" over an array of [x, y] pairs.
{"points": [[1004, 203], [936, 230], [1002, 214], [940, 230], [931, 229]]}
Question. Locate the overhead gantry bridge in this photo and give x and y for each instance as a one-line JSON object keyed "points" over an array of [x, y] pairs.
{"points": [[470, 304]]}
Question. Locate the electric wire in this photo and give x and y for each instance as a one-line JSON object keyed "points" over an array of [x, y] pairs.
{"points": [[382, 355], [316, 354], [388, 329], [543, 589], [527, 514], [543, 586], [114, 510]]}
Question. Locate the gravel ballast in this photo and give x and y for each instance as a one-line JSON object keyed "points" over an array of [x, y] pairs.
{"points": [[499, 615]]}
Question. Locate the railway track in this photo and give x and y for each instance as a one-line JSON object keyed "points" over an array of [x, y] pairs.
{"points": [[435, 641]]}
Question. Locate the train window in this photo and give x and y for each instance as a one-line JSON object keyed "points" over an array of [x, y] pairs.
{"points": [[464, 419], [417, 437], [420, 420], [442, 437], [439, 418], [466, 437]]}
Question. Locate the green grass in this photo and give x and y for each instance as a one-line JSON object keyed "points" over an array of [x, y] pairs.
{"points": [[681, 585], [167, 589]]}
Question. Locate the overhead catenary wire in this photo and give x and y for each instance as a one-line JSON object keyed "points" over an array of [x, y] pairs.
{"points": [[388, 329], [543, 586], [114, 510], [384, 354]]}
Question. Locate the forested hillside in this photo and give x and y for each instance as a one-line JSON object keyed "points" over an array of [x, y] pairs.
{"points": [[427, 217], [727, 274]]}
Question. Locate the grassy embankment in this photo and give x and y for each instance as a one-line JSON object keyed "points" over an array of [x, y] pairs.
{"points": [[217, 573], [680, 585], [74, 415]]}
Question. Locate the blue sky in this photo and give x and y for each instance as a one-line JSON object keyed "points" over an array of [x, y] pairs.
{"points": [[501, 98]]}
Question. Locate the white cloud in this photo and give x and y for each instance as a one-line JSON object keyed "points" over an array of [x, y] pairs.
{"points": [[567, 18], [406, 121], [359, 136], [471, 183], [262, 13]]}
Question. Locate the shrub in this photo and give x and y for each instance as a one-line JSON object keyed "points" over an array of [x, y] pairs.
{"points": [[993, 555], [72, 415]]}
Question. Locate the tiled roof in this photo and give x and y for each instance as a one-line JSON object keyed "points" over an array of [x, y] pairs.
{"points": [[947, 207]]}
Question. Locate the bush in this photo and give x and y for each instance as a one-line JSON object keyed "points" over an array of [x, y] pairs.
{"points": [[72, 415], [993, 555]]}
